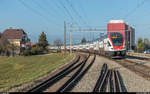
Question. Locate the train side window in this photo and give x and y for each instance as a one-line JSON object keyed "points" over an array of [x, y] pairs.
{"points": [[108, 43]]}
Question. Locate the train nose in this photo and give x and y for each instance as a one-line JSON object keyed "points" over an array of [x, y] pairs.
{"points": [[118, 53], [123, 53]]}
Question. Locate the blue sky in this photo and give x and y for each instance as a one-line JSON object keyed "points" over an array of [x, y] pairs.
{"points": [[49, 16]]}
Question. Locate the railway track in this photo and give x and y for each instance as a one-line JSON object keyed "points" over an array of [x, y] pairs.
{"points": [[108, 81], [64, 80], [40, 87], [140, 69], [76, 77]]}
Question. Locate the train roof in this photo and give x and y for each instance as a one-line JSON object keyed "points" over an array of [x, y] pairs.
{"points": [[116, 21]]}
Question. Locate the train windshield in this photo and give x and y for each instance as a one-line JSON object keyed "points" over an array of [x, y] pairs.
{"points": [[117, 39]]}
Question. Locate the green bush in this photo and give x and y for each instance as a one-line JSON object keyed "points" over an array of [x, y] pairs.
{"points": [[35, 51], [26, 53]]}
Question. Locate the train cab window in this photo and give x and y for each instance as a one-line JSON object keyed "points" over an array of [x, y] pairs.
{"points": [[117, 38]]}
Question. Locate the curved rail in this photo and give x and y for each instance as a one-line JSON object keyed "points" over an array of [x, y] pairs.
{"points": [[42, 86], [76, 77]]}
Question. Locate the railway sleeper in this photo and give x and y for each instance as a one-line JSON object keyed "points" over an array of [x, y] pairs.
{"points": [[100, 79], [108, 81], [68, 82], [41, 87]]}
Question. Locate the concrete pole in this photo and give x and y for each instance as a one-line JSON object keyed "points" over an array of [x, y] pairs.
{"points": [[65, 36], [70, 40], [98, 48], [130, 40]]}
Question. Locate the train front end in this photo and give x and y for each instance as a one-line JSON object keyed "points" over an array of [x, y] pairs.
{"points": [[117, 44]]}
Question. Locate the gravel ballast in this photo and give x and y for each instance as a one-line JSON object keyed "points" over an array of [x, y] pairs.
{"points": [[132, 81], [144, 62]]}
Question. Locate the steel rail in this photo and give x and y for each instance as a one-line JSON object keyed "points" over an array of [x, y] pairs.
{"points": [[68, 82], [78, 78], [119, 89], [103, 85], [108, 81], [140, 69], [114, 83], [111, 82], [100, 79], [40, 87]]}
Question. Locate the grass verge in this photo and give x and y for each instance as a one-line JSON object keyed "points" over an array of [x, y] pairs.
{"points": [[18, 70]]}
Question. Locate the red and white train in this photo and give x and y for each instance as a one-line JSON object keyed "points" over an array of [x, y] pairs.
{"points": [[114, 43]]}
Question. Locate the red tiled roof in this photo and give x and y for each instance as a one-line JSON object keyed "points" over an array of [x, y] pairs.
{"points": [[29, 43], [13, 33], [32, 44]]}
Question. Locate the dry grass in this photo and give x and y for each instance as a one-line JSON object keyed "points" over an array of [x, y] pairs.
{"points": [[18, 70]]}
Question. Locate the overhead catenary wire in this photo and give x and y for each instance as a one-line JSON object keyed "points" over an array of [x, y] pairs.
{"points": [[49, 6], [128, 14], [37, 12], [76, 12], [134, 9], [54, 10], [43, 8], [77, 15], [59, 7], [84, 13], [69, 14]]}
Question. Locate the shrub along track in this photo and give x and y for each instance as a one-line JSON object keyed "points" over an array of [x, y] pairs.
{"points": [[67, 75]]}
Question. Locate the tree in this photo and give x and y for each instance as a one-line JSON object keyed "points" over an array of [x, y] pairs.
{"points": [[58, 43], [4, 45], [146, 43], [12, 47], [35, 51], [140, 45], [26, 52], [83, 40], [43, 43]]}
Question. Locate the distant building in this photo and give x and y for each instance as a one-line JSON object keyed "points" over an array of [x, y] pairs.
{"points": [[33, 44], [16, 37], [127, 31]]}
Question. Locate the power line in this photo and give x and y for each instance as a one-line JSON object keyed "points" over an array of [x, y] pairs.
{"points": [[69, 14], [57, 5], [48, 4], [41, 7], [36, 12], [44, 9], [90, 30], [73, 9], [83, 11], [66, 10], [133, 10], [76, 12], [51, 7]]}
